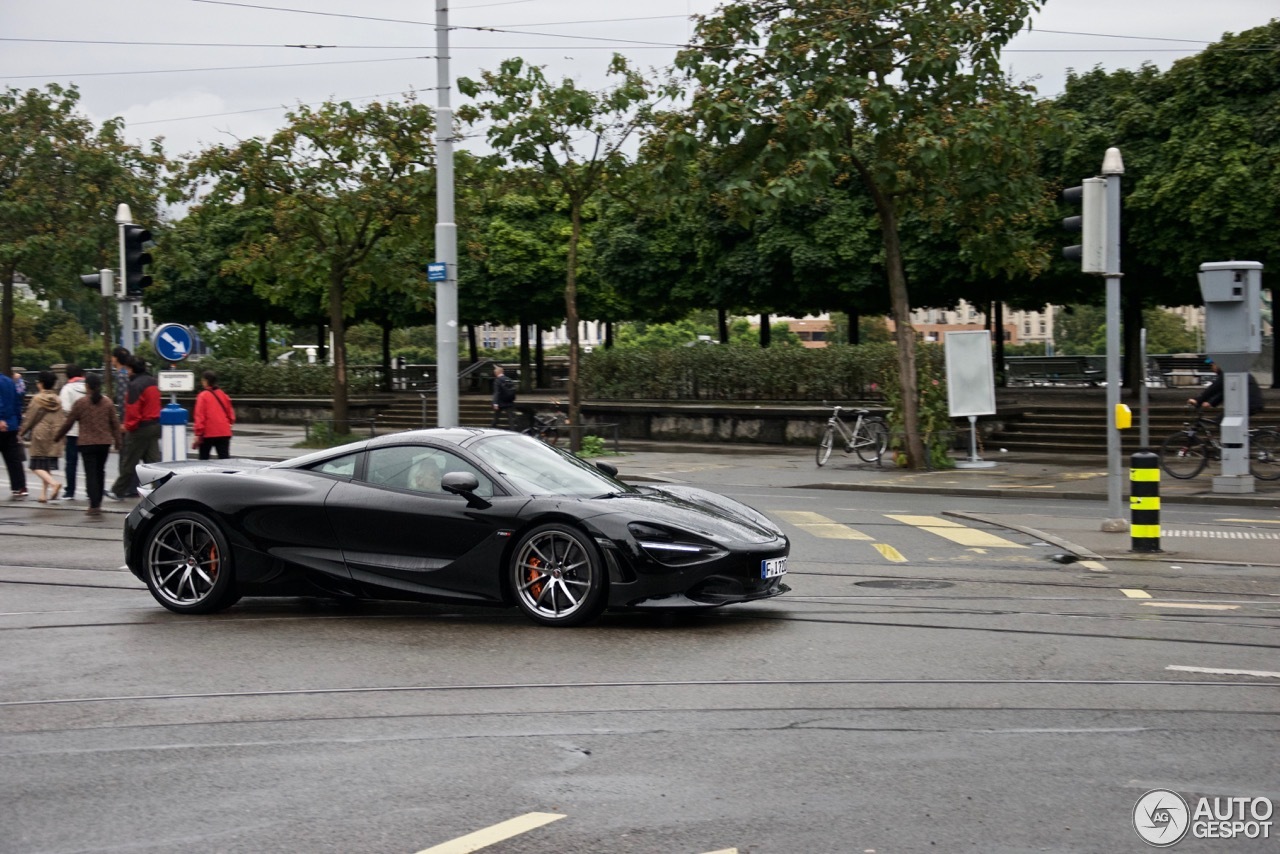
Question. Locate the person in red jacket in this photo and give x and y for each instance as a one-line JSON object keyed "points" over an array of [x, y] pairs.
{"points": [[214, 417], [141, 429]]}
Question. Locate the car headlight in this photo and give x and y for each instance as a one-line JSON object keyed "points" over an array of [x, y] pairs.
{"points": [[673, 548]]}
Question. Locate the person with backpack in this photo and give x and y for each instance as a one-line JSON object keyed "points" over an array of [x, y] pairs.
{"points": [[214, 418], [504, 396]]}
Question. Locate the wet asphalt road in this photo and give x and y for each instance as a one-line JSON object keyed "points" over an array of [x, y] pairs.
{"points": [[923, 688]]}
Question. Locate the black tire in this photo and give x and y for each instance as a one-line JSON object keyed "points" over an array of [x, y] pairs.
{"points": [[557, 576], [1184, 455], [874, 441], [1264, 455], [188, 564], [824, 445]]}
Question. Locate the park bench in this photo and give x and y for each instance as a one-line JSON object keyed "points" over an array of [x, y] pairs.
{"points": [[1181, 371], [1051, 370]]}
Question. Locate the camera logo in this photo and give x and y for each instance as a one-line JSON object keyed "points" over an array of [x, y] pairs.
{"points": [[1161, 818]]}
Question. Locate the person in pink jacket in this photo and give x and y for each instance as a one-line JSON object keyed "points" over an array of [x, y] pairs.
{"points": [[213, 419]]}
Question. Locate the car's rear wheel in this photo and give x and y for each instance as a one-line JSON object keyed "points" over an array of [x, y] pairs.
{"points": [[188, 564], [558, 576]]}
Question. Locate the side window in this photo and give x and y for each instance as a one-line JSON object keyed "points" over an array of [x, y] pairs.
{"points": [[344, 466], [419, 469]]}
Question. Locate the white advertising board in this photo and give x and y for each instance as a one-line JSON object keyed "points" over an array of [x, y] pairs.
{"points": [[971, 382]]}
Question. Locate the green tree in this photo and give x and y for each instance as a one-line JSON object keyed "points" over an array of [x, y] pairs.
{"points": [[338, 182], [60, 182], [906, 100], [575, 137]]}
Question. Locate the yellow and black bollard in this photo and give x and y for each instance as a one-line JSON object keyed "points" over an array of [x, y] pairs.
{"points": [[1144, 501]]}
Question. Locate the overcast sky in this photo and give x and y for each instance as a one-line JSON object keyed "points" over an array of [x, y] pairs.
{"points": [[194, 94]]}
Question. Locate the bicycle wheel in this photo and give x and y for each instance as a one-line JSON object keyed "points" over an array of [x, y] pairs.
{"points": [[1184, 454], [1264, 455], [873, 440], [824, 446]]}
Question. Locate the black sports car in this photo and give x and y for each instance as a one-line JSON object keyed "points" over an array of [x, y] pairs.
{"points": [[486, 517]]}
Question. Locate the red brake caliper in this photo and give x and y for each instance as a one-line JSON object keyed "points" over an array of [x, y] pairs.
{"points": [[535, 576]]}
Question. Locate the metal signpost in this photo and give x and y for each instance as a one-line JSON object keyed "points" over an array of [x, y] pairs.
{"points": [[446, 235]]}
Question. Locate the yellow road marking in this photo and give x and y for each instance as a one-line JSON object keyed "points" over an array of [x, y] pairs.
{"points": [[492, 835], [889, 552], [1135, 594], [1259, 521], [1094, 566], [956, 532], [821, 526], [1191, 606], [724, 851]]}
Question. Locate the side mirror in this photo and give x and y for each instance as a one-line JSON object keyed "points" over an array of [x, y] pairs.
{"points": [[464, 483], [608, 469]]}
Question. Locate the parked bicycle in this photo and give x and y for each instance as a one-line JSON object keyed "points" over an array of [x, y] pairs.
{"points": [[1185, 454], [547, 425], [868, 437]]}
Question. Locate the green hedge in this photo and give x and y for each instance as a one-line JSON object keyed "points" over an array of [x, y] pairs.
{"points": [[715, 373], [250, 378]]}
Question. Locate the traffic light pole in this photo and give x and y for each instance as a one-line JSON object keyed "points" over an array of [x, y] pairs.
{"points": [[124, 217], [1112, 169]]}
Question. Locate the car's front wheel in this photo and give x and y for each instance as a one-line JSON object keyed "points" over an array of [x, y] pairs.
{"points": [[558, 576], [188, 564]]}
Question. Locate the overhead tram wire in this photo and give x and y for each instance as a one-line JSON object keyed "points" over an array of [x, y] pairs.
{"points": [[215, 68]]}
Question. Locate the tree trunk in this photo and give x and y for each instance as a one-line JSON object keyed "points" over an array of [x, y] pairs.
{"points": [[264, 350], [525, 385], [997, 312], [322, 345], [571, 322], [608, 335], [539, 359], [6, 322], [473, 347], [722, 321], [386, 355], [337, 322], [904, 333], [854, 333], [766, 331]]}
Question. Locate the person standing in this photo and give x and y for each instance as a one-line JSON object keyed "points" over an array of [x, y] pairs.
{"points": [[504, 396], [120, 358], [141, 429], [213, 419], [43, 419], [10, 445], [95, 417], [72, 390]]}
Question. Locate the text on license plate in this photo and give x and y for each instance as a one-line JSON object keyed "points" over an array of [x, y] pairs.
{"points": [[773, 567]]}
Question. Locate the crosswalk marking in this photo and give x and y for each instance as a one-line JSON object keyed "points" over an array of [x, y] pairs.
{"points": [[957, 533], [1221, 671], [1094, 566], [821, 526], [1135, 594], [493, 835], [889, 552]]}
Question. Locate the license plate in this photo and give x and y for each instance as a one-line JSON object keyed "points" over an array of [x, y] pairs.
{"points": [[773, 567]]}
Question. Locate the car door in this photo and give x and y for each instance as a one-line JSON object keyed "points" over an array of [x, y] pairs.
{"points": [[401, 533]]}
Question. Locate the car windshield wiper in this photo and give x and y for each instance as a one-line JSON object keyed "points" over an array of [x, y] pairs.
{"points": [[609, 495]]}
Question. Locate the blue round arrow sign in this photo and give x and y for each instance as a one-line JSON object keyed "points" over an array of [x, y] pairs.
{"points": [[172, 342]]}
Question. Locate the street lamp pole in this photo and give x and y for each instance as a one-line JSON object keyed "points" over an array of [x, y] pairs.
{"points": [[446, 235], [1112, 169]]}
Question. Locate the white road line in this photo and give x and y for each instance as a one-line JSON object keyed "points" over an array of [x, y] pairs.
{"points": [[1094, 566], [1135, 594], [492, 835], [1191, 606], [1223, 671]]}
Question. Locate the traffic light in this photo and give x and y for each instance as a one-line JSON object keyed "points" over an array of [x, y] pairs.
{"points": [[1091, 223], [135, 258], [103, 281]]}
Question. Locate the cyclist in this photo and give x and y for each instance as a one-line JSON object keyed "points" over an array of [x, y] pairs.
{"points": [[1212, 394]]}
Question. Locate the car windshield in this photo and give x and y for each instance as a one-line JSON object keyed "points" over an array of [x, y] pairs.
{"points": [[537, 468]]}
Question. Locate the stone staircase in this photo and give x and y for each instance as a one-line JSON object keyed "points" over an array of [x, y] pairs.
{"points": [[474, 410], [1077, 430]]}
